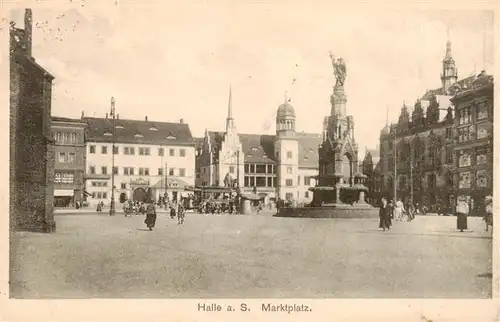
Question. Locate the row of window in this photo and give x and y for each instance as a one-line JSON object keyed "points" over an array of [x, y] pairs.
{"points": [[140, 151], [480, 154], [465, 114], [65, 137], [465, 179], [66, 157], [468, 134], [260, 168], [254, 181], [130, 171]]}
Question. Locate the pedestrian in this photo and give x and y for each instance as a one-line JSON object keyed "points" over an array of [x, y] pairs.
{"points": [[462, 212], [398, 210], [173, 210], [150, 220], [411, 212], [488, 218], [385, 215], [181, 215]]}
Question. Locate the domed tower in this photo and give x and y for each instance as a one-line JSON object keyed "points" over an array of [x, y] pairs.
{"points": [[286, 150]]}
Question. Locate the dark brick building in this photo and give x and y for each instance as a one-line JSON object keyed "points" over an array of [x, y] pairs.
{"points": [[473, 148], [70, 160], [31, 147]]}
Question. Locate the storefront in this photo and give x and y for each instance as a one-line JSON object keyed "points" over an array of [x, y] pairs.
{"points": [[64, 198]]}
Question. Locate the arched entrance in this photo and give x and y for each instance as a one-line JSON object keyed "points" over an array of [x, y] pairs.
{"points": [[139, 195]]}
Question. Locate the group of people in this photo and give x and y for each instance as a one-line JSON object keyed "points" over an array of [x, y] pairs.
{"points": [[176, 210], [212, 207], [390, 210]]}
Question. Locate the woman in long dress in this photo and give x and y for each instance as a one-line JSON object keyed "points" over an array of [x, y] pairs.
{"points": [[462, 212], [488, 218], [385, 215], [150, 216]]}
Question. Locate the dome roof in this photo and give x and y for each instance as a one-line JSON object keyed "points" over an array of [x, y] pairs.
{"points": [[285, 110], [386, 130]]}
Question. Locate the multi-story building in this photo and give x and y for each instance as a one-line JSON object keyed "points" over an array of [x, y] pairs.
{"points": [[31, 146], [151, 159], [473, 164], [281, 165], [70, 156], [417, 152]]}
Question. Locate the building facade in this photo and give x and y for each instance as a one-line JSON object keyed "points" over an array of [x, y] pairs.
{"points": [[31, 145], [152, 160], [272, 166], [416, 153], [473, 149], [70, 160]]}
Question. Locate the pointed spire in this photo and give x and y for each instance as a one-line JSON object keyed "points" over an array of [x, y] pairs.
{"points": [[484, 50], [448, 45], [386, 115], [286, 97], [230, 105]]}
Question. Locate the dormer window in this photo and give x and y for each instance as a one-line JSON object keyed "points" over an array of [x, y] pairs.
{"points": [[170, 137], [139, 135], [306, 158], [249, 155], [254, 149], [264, 156], [120, 127], [153, 129], [108, 134]]}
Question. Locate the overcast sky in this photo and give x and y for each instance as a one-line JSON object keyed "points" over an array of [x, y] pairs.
{"points": [[177, 61]]}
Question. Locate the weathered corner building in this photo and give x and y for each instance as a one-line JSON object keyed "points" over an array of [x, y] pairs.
{"points": [[31, 147]]}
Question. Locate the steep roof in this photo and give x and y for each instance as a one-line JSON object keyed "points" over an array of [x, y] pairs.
{"points": [[259, 148], [138, 132], [463, 83]]}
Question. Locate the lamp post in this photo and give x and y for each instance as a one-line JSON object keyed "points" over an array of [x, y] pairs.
{"points": [[112, 210]]}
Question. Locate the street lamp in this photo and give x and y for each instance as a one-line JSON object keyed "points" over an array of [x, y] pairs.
{"points": [[112, 210]]}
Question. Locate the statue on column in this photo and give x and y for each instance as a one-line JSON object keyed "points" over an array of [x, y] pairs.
{"points": [[339, 69]]}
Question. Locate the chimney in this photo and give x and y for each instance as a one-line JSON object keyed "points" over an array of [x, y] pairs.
{"points": [[83, 115], [106, 116], [181, 121], [117, 116], [28, 30], [146, 118]]}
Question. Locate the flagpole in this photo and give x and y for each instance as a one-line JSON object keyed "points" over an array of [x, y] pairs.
{"points": [[395, 168]]}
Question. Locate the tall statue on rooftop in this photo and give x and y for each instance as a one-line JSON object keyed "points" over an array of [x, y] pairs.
{"points": [[339, 69]]}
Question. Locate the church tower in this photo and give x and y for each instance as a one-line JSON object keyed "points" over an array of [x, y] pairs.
{"points": [[231, 164], [449, 74], [286, 150]]}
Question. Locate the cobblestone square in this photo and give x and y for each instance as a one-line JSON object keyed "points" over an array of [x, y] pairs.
{"points": [[233, 256]]}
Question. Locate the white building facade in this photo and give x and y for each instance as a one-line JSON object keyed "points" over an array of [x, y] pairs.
{"points": [[152, 160], [272, 166]]}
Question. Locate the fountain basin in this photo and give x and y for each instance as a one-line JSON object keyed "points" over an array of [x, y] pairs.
{"points": [[330, 211]]}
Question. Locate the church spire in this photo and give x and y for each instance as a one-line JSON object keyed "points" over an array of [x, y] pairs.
{"points": [[449, 73], [229, 119], [448, 46], [230, 105]]}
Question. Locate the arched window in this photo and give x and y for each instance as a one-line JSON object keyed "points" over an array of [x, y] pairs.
{"points": [[73, 137], [66, 137], [59, 136]]}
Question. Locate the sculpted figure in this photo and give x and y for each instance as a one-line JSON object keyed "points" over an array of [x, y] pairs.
{"points": [[339, 70]]}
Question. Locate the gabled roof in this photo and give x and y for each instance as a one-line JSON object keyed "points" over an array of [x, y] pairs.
{"points": [[259, 148], [138, 132], [308, 149]]}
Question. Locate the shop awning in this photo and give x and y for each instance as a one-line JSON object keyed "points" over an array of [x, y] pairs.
{"points": [[64, 192]]}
